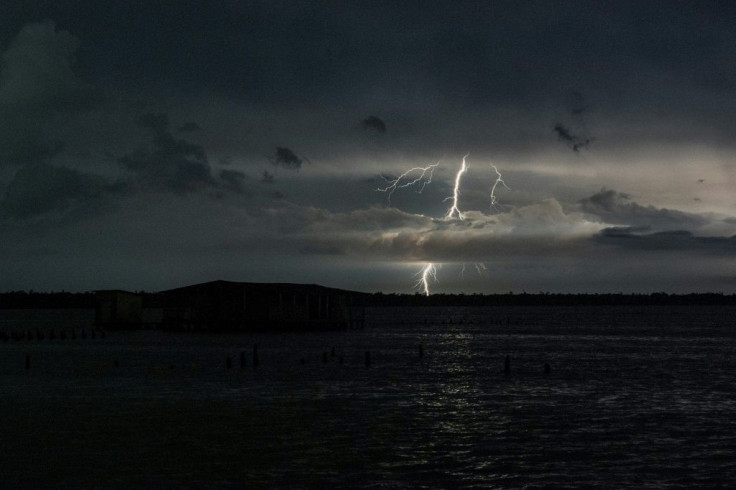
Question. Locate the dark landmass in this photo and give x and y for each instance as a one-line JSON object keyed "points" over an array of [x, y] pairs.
{"points": [[41, 300]]}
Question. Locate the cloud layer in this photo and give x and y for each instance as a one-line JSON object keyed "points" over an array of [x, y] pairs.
{"points": [[158, 157]]}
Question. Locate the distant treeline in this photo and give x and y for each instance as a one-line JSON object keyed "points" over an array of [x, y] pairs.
{"points": [[33, 299], [548, 299]]}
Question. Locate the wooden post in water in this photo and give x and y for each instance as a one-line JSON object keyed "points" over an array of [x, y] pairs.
{"points": [[332, 352], [28, 361], [421, 351], [324, 357], [507, 366], [255, 355], [367, 358], [228, 362], [547, 368], [243, 360]]}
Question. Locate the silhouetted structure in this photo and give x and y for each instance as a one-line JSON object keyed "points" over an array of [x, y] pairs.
{"points": [[118, 309], [244, 306]]}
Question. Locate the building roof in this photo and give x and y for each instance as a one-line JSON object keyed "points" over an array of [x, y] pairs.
{"points": [[262, 286]]}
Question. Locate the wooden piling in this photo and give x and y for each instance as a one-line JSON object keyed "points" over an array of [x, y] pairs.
{"points": [[28, 361], [547, 368], [507, 366], [243, 360], [256, 361], [367, 358], [228, 362], [421, 351]]}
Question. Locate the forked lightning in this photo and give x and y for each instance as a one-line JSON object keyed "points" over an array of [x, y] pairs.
{"points": [[454, 210], [397, 182]]}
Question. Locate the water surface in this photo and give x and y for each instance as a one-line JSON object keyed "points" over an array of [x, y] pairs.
{"points": [[636, 397]]}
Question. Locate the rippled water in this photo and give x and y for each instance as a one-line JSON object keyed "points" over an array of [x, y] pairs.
{"points": [[636, 397]]}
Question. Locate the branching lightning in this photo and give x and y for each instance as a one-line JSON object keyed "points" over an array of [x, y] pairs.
{"points": [[419, 177], [499, 180], [428, 272], [454, 209], [397, 183]]}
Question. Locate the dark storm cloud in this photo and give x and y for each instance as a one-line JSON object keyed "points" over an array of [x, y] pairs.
{"points": [[37, 72], [268, 178], [40, 188], [316, 249], [673, 240], [617, 208], [373, 123], [173, 163], [450, 77], [188, 127], [286, 158], [574, 141], [28, 150], [38, 85], [575, 132], [576, 103], [159, 123], [233, 180]]}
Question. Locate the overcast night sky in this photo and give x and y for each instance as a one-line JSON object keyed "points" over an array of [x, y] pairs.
{"points": [[151, 145]]}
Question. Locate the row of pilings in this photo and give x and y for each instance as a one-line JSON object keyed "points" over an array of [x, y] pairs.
{"points": [[30, 335], [254, 361]]}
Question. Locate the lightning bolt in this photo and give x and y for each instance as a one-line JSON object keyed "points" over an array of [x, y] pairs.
{"points": [[398, 184], [499, 180], [428, 272], [454, 209]]}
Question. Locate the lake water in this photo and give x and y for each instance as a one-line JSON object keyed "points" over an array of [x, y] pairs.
{"points": [[636, 397]]}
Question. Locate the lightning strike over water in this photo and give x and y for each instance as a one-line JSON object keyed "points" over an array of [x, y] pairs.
{"points": [[454, 209], [397, 182], [499, 180], [428, 272]]}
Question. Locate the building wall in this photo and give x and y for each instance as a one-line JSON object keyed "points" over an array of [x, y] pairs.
{"points": [[222, 305], [118, 309]]}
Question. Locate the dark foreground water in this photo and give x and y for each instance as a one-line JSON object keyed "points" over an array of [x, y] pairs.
{"points": [[636, 397]]}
